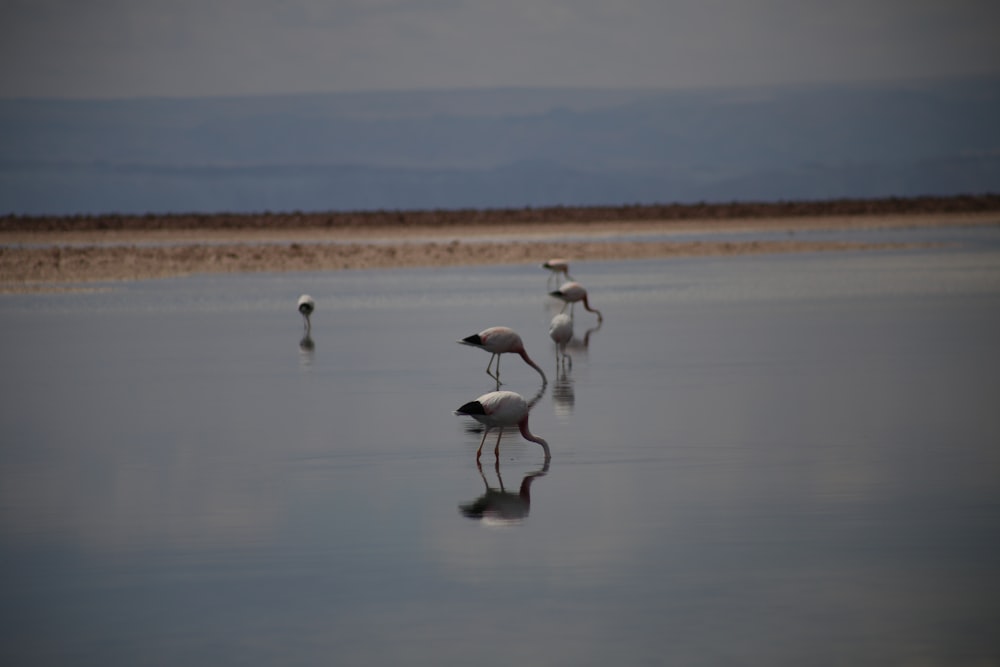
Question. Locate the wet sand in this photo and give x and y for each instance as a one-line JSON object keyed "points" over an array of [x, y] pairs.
{"points": [[51, 253]]}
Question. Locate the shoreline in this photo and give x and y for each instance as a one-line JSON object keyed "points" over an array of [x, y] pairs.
{"points": [[57, 259]]}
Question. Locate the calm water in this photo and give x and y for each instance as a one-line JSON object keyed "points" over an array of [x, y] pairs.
{"points": [[762, 460]]}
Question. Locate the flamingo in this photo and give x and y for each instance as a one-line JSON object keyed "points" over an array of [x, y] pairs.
{"points": [[497, 341], [561, 332], [557, 266], [572, 292], [501, 409], [306, 306]]}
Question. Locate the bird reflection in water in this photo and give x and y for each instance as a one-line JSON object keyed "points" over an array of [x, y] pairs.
{"points": [[500, 410], [563, 393], [580, 346], [502, 507], [307, 350]]}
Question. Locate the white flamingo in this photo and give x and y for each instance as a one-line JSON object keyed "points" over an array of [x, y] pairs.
{"points": [[571, 293], [561, 332], [306, 307], [500, 410], [497, 341]]}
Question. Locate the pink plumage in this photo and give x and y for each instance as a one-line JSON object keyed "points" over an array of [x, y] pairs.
{"points": [[573, 292], [500, 410], [497, 341]]}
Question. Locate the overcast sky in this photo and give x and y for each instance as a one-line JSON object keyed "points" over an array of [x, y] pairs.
{"points": [[129, 48]]}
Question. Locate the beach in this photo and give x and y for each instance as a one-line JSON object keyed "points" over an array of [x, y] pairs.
{"points": [[56, 252]]}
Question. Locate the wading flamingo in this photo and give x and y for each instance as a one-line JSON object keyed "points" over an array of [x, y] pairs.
{"points": [[500, 410], [497, 341], [561, 332], [572, 292], [306, 306], [557, 267]]}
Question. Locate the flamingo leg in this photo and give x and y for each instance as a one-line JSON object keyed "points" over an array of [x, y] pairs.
{"points": [[496, 450], [490, 365], [479, 452]]}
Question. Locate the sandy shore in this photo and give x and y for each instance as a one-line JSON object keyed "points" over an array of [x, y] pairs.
{"points": [[60, 253]]}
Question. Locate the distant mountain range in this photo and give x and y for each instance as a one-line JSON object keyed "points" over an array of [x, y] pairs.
{"points": [[499, 148]]}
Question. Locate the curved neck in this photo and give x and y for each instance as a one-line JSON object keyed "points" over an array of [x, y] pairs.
{"points": [[523, 425], [586, 305], [527, 359]]}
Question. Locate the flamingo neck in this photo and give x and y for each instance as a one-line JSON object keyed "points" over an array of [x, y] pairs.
{"points": [[586, 304], [527, 359], [523, 425]]}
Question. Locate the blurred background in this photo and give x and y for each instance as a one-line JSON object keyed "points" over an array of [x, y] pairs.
{"points": [[155, 106]]}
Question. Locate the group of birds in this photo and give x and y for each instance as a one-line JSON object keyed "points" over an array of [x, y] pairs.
{"points": [[507, 409]]}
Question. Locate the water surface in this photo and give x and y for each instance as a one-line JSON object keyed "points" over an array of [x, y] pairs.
{"points": [[767, 459]]}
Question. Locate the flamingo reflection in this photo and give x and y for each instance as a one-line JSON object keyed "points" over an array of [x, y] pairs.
{"points": [[501, 506], [500, 410], [581, 345], [307, 348], [563, 394]]}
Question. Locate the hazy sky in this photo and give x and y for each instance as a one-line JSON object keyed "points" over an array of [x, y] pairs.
{"points": [[126, 48]]}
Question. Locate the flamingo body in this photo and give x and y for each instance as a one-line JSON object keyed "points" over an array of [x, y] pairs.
{"points": [[557, 267], [561, 329], [306, 307], [561, 333], [573, 292], [500, 410], [497, 341]]}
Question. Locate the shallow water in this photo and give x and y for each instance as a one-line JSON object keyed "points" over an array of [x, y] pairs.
{"points": [[768, 459]]}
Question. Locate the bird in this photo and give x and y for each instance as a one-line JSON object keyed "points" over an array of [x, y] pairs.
{"points": [[500, 410], [497, 341], [561, 332], [556, 267], [572, 292], [306, 306]]}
